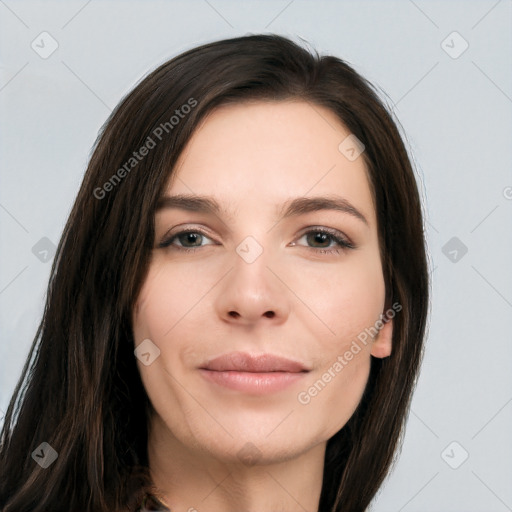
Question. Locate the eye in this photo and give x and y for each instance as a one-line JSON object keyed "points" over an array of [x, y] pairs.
{"points": [[321, 239], [325, 240], [186, 240]]}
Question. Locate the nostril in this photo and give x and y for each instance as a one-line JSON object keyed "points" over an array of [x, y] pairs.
{"points": [[234, 314], [270, 314]]}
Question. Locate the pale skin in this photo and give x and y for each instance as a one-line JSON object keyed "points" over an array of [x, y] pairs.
{"points": [[304, 297]]}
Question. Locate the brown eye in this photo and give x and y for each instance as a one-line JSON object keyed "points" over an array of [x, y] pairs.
{"points": [[190, 239], [318, 239], [324, 238], [186, 239]]}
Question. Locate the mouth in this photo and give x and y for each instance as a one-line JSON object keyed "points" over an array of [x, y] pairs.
{"points": [[260, 374]]}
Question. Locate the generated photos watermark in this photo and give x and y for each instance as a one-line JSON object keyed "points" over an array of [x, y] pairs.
{"points": [[157, 135], [305, 397]]}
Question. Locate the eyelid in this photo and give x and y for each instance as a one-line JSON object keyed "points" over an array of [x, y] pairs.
{"points": [[341, 238], [179, 230]]}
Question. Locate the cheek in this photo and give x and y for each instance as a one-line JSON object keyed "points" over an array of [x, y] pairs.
{"points": [[160, 315], [348, 301], [332, 396], [169, 312], [346, 298], [165, 298]]}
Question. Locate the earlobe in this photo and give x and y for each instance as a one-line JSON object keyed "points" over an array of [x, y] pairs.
{"points": [[382, 343]]}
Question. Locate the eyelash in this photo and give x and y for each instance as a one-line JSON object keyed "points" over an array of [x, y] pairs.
{"points": [[334, 234]]}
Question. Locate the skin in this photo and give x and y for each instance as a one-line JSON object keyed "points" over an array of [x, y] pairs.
{"points": [[252, 158]]}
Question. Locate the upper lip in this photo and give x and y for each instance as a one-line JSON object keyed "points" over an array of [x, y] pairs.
{"points": [[243, 362]]}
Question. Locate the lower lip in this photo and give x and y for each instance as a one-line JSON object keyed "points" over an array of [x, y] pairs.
{"points": [[255, 383]]}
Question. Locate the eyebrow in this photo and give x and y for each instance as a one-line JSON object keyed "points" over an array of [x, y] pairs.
{"points": [[291, 208]]}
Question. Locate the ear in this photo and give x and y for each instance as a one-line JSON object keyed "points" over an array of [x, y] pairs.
{"points": [[382, 345]]}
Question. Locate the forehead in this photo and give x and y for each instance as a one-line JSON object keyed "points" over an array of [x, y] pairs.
{"points": [[267, 152]]}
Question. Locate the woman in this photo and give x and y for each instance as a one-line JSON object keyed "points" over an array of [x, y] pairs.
{"points": [[236, 312]]}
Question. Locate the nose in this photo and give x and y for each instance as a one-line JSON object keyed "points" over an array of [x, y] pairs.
{"points": [[252, 294]]}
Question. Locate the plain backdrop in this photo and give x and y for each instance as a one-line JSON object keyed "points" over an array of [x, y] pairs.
{"points": [[444, 68]]}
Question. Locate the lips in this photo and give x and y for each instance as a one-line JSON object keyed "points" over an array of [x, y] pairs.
{"points": [[242, 362], [253, 374]]}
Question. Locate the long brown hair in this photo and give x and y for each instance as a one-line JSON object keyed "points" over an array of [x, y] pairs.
{"points": [[80, 390]]}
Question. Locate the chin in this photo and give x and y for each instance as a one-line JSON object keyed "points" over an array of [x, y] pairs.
{"points": [[257, 451]]}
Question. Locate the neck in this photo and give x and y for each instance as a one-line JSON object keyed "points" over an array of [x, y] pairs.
{"points": [[191, 481]]}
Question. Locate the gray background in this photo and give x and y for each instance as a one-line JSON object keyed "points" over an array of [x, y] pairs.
{"points": [[455, 109]]}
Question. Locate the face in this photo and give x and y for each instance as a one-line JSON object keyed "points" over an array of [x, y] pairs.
{"points": [[262, 300]]}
